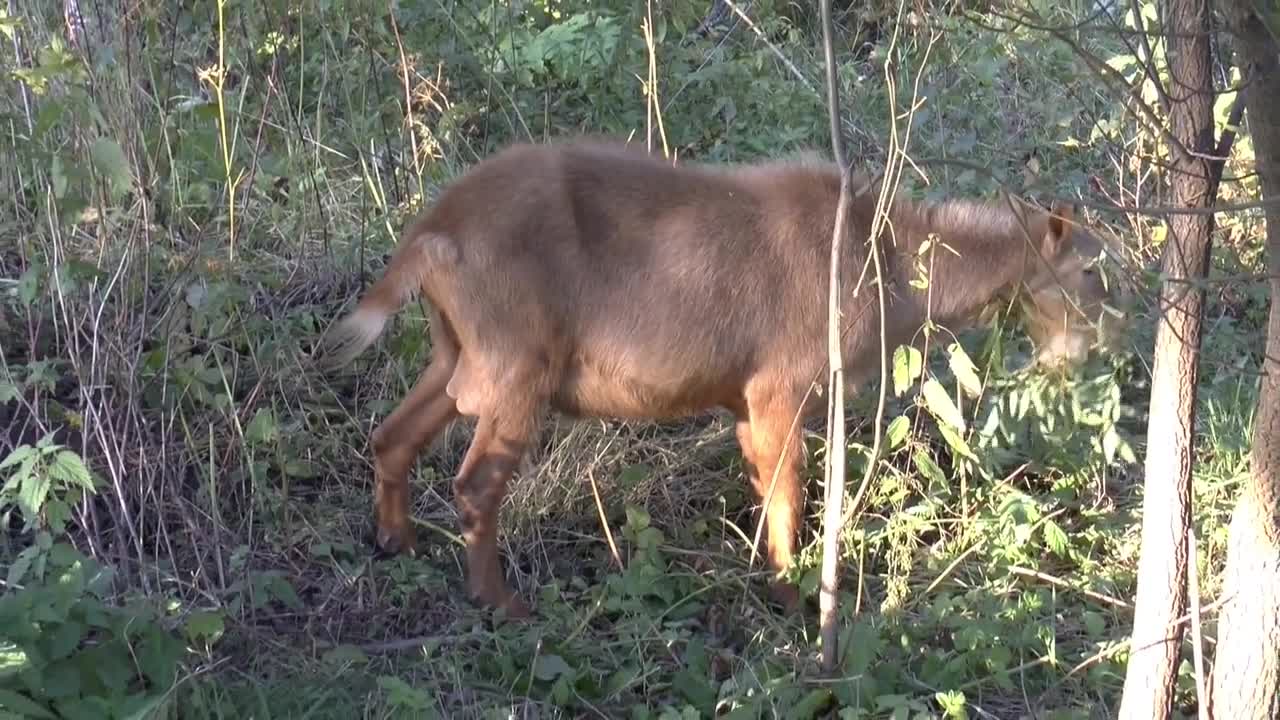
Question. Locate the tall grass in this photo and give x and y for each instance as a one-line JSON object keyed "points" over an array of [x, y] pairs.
{"points": [[194, 190]]}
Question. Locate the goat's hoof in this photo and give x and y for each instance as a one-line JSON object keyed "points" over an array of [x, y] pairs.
{"points": [[400, 541], [786, 595], [505, 600], [516, 609]]}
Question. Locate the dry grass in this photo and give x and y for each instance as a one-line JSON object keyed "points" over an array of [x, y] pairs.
{"points": [[165, 364]]}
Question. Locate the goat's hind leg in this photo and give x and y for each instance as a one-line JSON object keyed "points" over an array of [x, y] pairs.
{"points": [[396, 442], [508, 411]]}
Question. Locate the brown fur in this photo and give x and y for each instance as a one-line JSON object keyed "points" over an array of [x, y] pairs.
{"points": [[597, 280]]}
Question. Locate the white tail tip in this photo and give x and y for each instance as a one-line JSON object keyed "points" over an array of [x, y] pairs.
{"points": [[352, 336]]}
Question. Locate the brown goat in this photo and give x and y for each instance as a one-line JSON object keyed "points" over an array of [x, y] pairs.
{"points": [[602, 281]]}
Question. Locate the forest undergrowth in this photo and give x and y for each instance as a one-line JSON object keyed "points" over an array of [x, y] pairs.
{"points": [[194, 191]]}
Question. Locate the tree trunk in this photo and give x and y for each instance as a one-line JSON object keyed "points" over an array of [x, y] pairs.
{"points": [[1162, 569], [1246, 672]]}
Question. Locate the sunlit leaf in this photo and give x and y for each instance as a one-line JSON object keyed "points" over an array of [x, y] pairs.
{"points": [[965, 371], [938, 400], [67, 466], [1054, 538], [907, 366], [956, 442], [18, 455], [897, 432], [928, 468]]}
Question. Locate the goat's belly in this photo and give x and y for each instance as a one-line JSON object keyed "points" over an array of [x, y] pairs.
{"points": [[617, 391]]}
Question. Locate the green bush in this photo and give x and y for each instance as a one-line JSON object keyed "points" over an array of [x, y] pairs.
{"points": [[68, 651]]}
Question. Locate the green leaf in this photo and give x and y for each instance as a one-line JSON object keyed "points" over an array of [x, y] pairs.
{"points": [[22, 452], [23, 706], [58, 514], [64, 640], [1094, 623], [1110, 442], [58, 174], [965, 371], [633, 475], [814, 701], [808, 584], [1122, 61], [1126, 452], [61, 680], [64, 555], [550, 667], [952, 703], [637, 518], [861, 647], [694, 689], [649, 538], [84, 708], [401, 695], [13, 659], [560, 691], [35, 488], [346, 654], [908, 363], [999, 657], [68, 467], [897, 432], [619, 679], [15, 480], [956, 442], [109, 159], [1055, 538], [940, 405], [928, 468], [205, 626], [283, 591], [9, 24], [262, 428], [29, 284], [112, 663], [51, 112], [1114, 444], [139, 707], [158, 656], [22, 563], [297, 467]]}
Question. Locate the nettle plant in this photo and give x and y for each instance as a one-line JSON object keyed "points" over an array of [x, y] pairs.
{"points": [[44, 483], [993, 409], [982, 446], [67, 648]]}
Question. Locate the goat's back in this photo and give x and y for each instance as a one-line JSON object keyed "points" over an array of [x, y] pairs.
{"points": [[675, 282]]}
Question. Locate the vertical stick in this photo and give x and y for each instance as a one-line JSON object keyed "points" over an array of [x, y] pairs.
{"points": [[1203, 701], [835, 469], [652, 109], [220, 76]]}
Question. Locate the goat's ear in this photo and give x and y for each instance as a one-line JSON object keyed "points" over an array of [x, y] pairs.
{"points": [[1061, 217]]}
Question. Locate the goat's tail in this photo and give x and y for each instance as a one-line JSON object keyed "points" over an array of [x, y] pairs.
{"points": [[412, 262]]}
